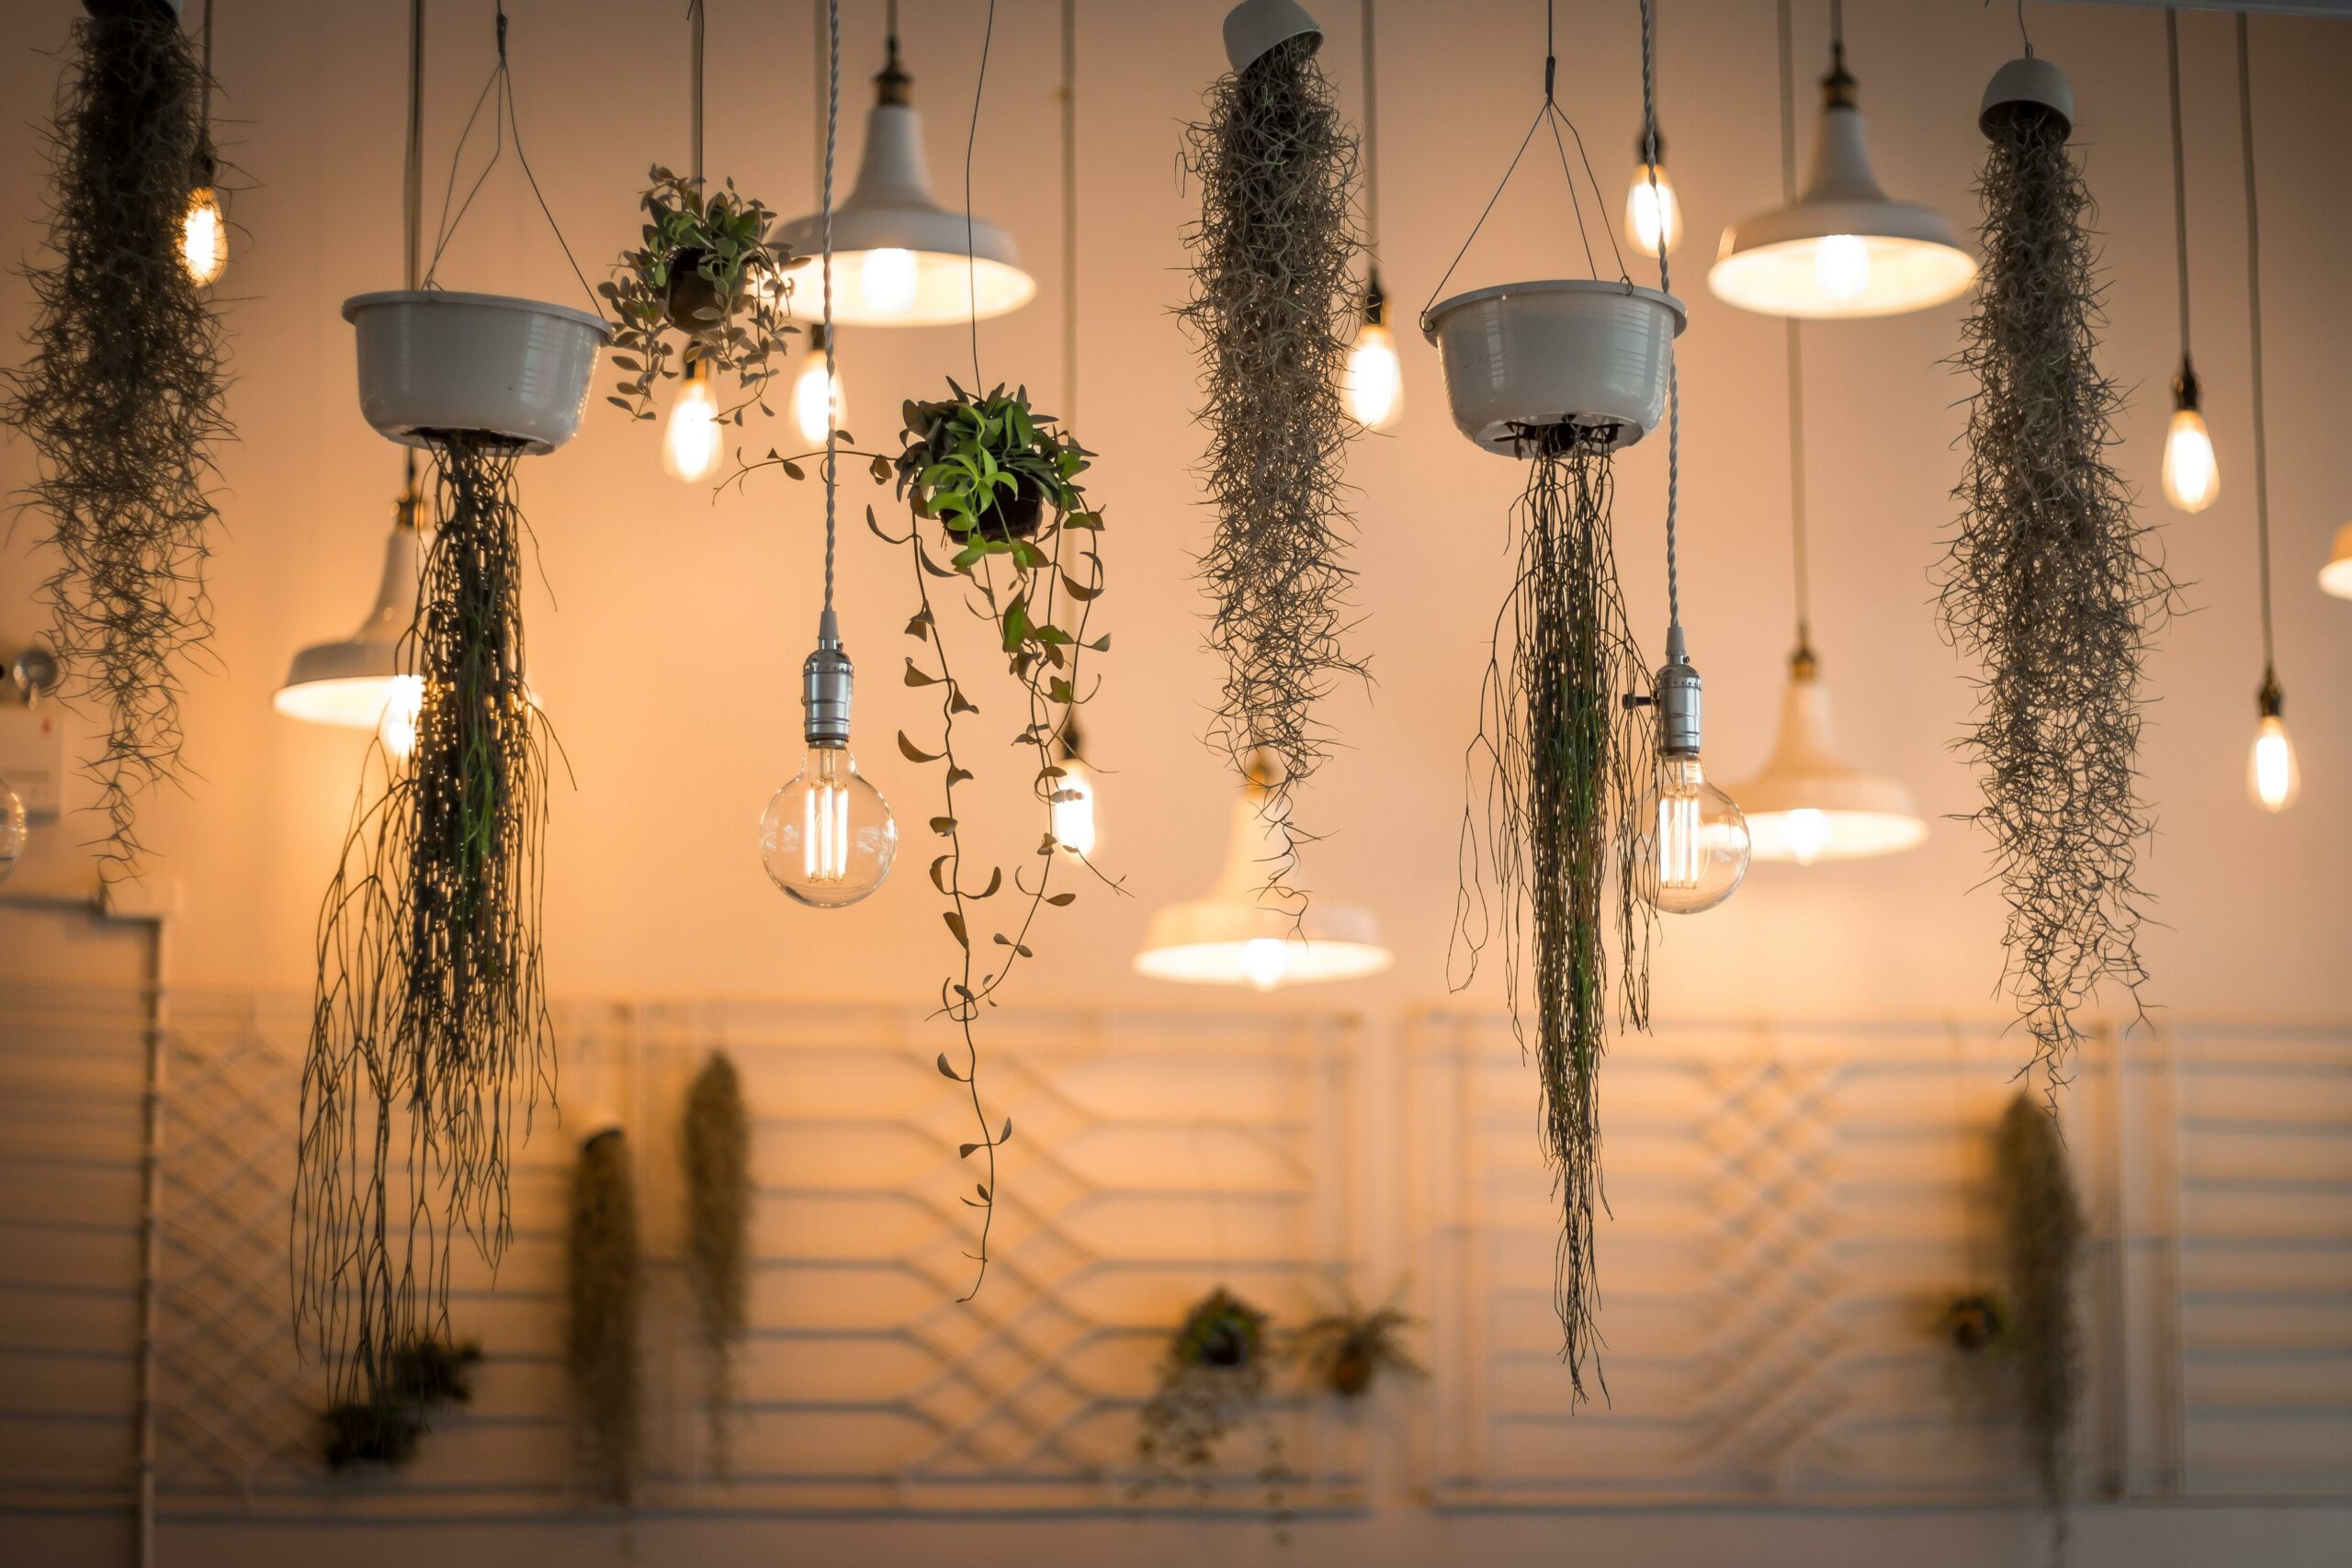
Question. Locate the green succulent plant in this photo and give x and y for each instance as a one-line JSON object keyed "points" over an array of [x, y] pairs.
{"points": [[705, 291]]}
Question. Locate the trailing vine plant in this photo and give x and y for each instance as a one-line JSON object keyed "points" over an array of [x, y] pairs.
{"points": [[1273, 308], [600, 1339], [2042, 1229], [123, 400], [431, 1031], [704, 294], [2055, 586], [716, 1144], [1559, 764], [1213, 1381]]}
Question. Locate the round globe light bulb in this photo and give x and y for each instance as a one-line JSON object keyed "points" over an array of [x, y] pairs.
{"points": [[2273, 778], [1841, 267], [1376, 379], [2192, 478], [1694, 847], [886, 281], [827, 838], [204, 236], [1648, 211]]}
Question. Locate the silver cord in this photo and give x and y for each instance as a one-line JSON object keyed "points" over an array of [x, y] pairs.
{"points": [[1666, 286], [2253, 310], [2179, 173], [832, 133]]}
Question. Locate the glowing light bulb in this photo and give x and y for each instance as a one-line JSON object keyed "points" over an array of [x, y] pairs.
{"points": [[2192, 478], [886, 281], [204, 236], [809, 390], [828, 838], [1074, 808], [2273, 778], [1695, 844], [1646, 212], [691, 440], [1265, 962], [403, 710], [12, 828], [1806, 832], [1841, 267], [1376, 379]]}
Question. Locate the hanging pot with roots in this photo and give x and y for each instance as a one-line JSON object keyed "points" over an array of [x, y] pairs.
{"points": [[1529, 357], [432, 362]]}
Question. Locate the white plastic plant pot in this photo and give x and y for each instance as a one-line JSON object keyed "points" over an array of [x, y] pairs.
{"points": [[1255, 27], [1521, 357], [433, 362]]}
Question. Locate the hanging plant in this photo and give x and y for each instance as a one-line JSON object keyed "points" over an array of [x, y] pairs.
{"points": [[2042, 1229], [2051, 580], [421, 1377], [1212, 1383], [123, 398], [1346, 1349], [704, 295], [600, 1339], [715, 1144], [1018, 533], [1273, 308]]}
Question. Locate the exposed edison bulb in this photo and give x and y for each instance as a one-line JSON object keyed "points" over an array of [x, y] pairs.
{"points": [[810, 391], [690, 442], [1695, 844], [1073, 808], [2273, 777], [12, 828], [1265, 962], [204, 236], [2192, 478], [403, 710], [1375, 378], [827, 837], [1841, 267], [1647, 212], [886, 281]]}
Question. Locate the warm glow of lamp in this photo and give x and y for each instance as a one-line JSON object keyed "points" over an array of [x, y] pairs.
{"points": [[817, 385], [354, 681], [1646, 210], [2273, 778], [2336, 577], [1241, 935], [204, 236], [1375, 378], [692, 439], [1807, 805]]}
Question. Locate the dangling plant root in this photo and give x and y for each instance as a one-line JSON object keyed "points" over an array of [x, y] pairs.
{"points": [[123, 399], [600, 1341], [2051, 583], [716, 1147], [1273, 303], [430, 1028], [2041, 1228], [1556, 771]]}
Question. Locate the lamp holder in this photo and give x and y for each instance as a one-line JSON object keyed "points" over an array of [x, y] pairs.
{"points": [[891, 84], [1675, 694], [2269, 698], [2185, 387], [825, 680]]}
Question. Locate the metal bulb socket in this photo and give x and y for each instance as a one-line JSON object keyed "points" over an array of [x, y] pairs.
{"points": [[825, 688], [1678, 700]]}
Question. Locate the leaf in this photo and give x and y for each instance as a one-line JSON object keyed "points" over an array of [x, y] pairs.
{"points": [[1005, 1136], [945, 827], [938, 873], [966, 1151], [915, 677], [956, 929], [957, 775], [947, 1072], [1062, 900], [793, 470], [912, 752], [982, 1190]]}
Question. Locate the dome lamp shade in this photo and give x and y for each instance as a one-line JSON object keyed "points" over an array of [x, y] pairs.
{"points": [[1807, 805]]}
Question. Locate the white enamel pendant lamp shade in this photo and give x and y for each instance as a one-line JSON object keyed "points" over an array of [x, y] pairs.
{"points": [[2336, 577], [1240, 935], [351, 680], [899, 258], [1807, 805], [1844, 247]]}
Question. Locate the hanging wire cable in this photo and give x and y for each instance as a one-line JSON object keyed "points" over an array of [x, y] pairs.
{"points": [[971, 137], [1797, 347], [1070, 214], [2253, 312], [412, 170], [1664, 285], [832, 136], [2179, 173], [204, 107], [1370, 140], [693, 31]]}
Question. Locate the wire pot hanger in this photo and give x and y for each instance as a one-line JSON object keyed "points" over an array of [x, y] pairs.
{"points": [[1548, 114], [498, 93]]}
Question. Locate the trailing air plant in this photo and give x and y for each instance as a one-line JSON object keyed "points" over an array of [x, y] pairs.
{"points": [[421, 1376], [2041, 1228], [600, 1341], [123, 399], [1273, 308], [1555, 775], [704, 295], [2054, 585], [1212, 1381], [431, 1030], [1346, 1349], [716, 1143]]}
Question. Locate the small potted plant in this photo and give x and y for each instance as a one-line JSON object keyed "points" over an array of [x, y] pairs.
{"points": [[1211, 1380], [1344, 1351], [417, 1377], [704, 294], [988, 469]]}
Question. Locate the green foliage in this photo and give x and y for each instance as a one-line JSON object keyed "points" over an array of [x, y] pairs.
{"points": [[2041, 1230], [706, 286], [1212, 1383], [716, 1144], [419, 1377], [984, 468], [1344, 1351], [601, 1336]]}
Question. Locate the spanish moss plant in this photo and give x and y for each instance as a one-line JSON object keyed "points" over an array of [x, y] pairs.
{"points": [[431, 1033], [716, 1147], [2042, 1228], [123, 400], [1560, 761], [1212, 1383], [1273, 304], [2055, 588], [600, 1339]]}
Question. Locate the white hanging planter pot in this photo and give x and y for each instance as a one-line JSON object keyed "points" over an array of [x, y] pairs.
{"points": [[435, 362], [1524, 358]]}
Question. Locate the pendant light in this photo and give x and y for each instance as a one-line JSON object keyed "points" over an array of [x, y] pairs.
{"points": [[693, 437], [1844, 247], [2336, 577], [1375, 378], [899, 258], [204, 229], [2191, 479], [1653, 214], [2273, 778], [827, 838], [1075, 829], [354, 683], [1807, 805], [1243, 934]]}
